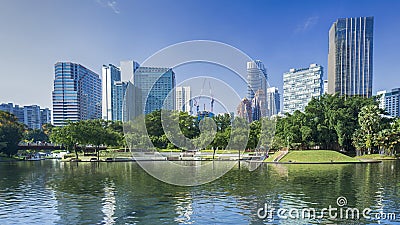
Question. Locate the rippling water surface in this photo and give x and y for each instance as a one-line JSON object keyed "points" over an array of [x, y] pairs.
{"points": [[53, 192]]}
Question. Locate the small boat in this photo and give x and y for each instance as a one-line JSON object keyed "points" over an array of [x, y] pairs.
{"points": [[35, 157]]}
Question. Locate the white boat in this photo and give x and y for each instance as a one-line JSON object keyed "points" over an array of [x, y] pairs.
{"points": [[35, 157]]}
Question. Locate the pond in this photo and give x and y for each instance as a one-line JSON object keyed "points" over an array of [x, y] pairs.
{"points": [[54, 192]]}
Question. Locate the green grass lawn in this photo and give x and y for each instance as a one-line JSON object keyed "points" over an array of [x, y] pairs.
{"points": [[271, 157], [375, 157], [317, 156]]}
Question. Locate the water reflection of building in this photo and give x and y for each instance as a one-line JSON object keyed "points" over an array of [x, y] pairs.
{"points": [[109, 203]]}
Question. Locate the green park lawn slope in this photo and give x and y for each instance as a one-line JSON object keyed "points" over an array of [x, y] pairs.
{"points": [[317, 156]]}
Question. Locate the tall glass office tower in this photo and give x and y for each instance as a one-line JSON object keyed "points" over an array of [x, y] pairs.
{"points": [[350, 57], [155, 85], [257, 88], [76, 94], [274, 101], [256, 78]]}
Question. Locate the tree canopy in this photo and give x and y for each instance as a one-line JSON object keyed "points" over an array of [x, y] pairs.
{"points": [[11, 132]]}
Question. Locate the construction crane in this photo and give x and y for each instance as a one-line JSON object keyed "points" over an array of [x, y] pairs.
{"points": [[204, 113]]}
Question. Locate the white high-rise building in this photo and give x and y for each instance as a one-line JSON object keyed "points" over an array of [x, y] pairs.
{"points": [[390, 101], [183, 100], [128, 68], [273, 101], [110, 75], [325, 86], [300, 86], [381, 99]]}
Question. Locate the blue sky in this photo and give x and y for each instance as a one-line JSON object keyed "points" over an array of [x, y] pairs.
{"points": [[283, 34]]}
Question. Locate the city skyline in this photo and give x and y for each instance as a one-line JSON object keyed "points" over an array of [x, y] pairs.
{"points": [[280, 45]]}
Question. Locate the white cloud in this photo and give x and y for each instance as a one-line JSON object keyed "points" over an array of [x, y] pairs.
{"points": [[307, 24], [112, 4]]}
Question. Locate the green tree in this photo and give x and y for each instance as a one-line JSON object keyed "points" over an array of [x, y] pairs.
{"points": [[388, 139], [328, 122], [369, 120], [11, 132], [36, 135], [254, 135], [69, 136]]}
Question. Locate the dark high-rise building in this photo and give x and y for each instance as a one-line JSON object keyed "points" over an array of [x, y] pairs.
{"points": [[350, 57]]}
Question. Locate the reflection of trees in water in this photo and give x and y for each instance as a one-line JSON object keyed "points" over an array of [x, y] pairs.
{"points": [[111, 192], [124, 193]]}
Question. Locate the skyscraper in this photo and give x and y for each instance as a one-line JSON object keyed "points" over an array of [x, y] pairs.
{"points": [[259, 105], [300, 86], [128, 68], [155, 85], [273, 101], [256, 78], [76, 94], [350, 56], [132, 105], [183, 100], [45, 116], [110, 75], [244, 110], [257, 88], [390, 101], [115, 82]]}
